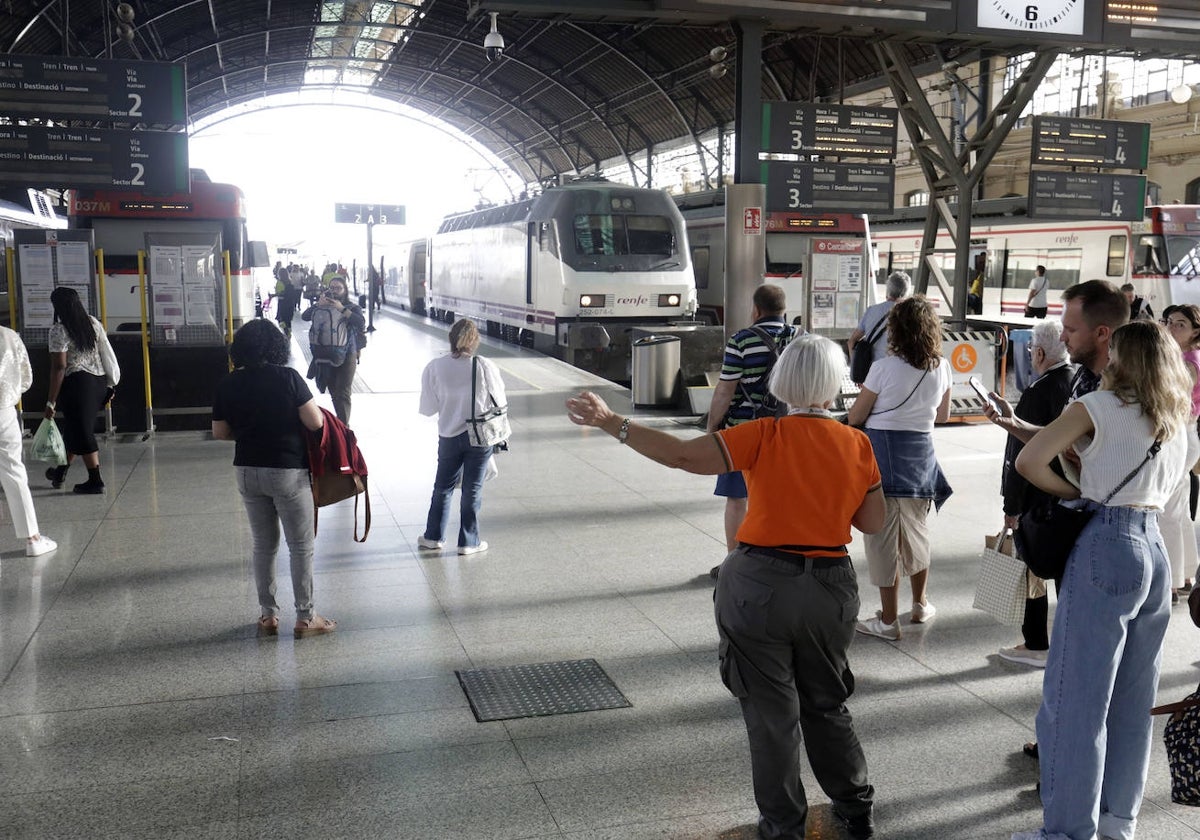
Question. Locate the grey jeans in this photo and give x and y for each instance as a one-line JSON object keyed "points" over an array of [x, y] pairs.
{"points": [[273, 496], [785, 626]]}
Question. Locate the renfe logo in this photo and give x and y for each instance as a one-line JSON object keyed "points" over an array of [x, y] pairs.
{"points": [[633, 301], [1068, 239]]}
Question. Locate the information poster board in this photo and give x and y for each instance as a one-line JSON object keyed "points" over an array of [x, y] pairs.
{"points": [[837, 285], [186, 288], [47, 259]]}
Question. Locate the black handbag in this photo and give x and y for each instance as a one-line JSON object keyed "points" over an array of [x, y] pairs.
{"points": [[1182, 740], [1047, 532], [864, 354]]}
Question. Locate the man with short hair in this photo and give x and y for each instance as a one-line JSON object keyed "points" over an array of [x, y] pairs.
{"points": [[1035, 304], [742, 388], [1139, 310], [873, 324]]}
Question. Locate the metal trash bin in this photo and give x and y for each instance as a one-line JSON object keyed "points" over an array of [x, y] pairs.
{"points": [[655, 370], [1022, 365]]}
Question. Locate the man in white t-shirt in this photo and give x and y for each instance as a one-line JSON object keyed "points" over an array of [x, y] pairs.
{"points": [[1035, 304]]}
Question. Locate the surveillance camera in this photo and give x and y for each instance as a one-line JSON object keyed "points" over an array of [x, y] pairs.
{"points": [[493, 42]]}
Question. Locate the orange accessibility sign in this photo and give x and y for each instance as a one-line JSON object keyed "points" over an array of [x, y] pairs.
{"points": [[963, 358]]}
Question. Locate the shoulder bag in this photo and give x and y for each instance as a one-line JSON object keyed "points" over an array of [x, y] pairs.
{"points": [[1047, 532], [1002, 586], [491, 427], [864, 353]]}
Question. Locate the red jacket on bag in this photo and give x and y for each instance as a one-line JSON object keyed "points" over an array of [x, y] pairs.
{"points": [[338, 469]]}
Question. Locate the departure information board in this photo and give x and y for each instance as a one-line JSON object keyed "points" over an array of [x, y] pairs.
{"points": [[841, 187], [93, 89], [1086, 195], [1114, 144], [833, 130], [369, 214], [143, 161]]}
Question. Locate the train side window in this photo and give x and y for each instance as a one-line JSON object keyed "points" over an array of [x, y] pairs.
{"points": [[700, 258], [1116, 255]]}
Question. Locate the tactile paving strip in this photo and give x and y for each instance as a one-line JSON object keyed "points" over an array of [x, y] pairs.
{"points": [[547, 688]]}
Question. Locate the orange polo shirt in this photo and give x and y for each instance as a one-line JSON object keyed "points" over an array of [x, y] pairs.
{"points": [[806, 476]]}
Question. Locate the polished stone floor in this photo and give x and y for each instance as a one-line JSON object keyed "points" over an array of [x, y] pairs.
{"points": [[136, 701]]}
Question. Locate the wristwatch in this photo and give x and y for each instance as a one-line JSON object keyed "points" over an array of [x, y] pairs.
{"points": [[623, 432]]}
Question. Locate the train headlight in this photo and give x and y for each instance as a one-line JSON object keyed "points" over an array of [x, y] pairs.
{"points": [[586, 301], [668, 300]]}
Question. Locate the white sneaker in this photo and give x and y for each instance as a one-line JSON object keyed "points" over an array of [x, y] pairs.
{"points": [[473, 549], [431, 545], [922, 613], [1035, 658], [876, 627], [41, 545]]}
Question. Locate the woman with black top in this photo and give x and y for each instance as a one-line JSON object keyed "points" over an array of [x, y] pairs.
{"points": [[83, 376], [265, 406]]}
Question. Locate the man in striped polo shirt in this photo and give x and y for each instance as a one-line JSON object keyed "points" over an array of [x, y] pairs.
{"points": [[742, 388]]}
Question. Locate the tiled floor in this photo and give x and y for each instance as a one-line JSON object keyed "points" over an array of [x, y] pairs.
{"points": [[137, 702]]}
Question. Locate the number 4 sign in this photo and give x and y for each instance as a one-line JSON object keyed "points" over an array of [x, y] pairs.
{"points": [[752, 221]]}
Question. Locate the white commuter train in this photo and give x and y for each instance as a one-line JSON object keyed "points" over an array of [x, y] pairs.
{"points": [[1159, 255], [567, 270], [405, 269]]}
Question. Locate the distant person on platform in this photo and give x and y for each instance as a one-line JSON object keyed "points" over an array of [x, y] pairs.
{"points": [[1139, 310], [742, 389], [1035, 304], [975, 290], [341, 379], [873, 325]]}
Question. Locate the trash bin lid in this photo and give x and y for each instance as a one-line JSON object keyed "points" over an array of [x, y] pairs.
{"points": [[655, 339]]}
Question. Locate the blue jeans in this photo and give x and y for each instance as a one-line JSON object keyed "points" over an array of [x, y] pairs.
{"points": [[1094, 728], [458, 459]]}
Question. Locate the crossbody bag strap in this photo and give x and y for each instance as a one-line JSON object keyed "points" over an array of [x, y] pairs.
{"points": [[906, 399], [875, 333], [1178, 706], [474, 373], [1150, 453]]}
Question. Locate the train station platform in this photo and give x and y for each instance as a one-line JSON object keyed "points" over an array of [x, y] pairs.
{"points": [[137, 702]]}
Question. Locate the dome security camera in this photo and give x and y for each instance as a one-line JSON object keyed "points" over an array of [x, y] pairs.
{"points": [[493, 42]]}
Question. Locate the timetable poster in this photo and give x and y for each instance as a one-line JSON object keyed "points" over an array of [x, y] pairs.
{"points": [[199, 285], [166, 283], [36, 263]]}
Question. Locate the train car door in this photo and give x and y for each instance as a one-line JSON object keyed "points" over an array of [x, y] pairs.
{"points": [[537, 244]]}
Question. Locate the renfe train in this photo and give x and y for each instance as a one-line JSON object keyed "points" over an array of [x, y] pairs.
{"points": [[568, 272], [1159, 255]]}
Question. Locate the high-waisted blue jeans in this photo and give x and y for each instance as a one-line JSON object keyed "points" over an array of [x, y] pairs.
{"points": [[457, 458], [1094, 728]]}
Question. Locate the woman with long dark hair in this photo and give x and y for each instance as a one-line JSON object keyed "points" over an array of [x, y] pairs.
{"points": [[265, 406], [904, 395], [1094, 730], [83, 376]]}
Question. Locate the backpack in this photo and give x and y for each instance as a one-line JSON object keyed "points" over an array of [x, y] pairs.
{"points": [[338, 470], [771, 406], [864, 353], [329, 337]]}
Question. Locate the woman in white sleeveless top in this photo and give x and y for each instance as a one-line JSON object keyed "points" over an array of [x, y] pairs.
{"points": [[1094, 727]]}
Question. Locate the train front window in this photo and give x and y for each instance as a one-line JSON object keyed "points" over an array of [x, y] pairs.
{"points": [[1183, 255], [1149, 255], [606, 235]]}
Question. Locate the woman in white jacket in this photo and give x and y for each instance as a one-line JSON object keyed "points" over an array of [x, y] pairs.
{"points": [[15, 378]]}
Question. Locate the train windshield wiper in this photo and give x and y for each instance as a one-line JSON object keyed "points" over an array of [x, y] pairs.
{"points": [[667, 264]]}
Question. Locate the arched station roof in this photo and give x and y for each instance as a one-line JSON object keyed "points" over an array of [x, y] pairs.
{"points": [[571, 91]]}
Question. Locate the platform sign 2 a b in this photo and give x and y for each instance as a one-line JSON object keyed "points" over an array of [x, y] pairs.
{"points": [[368, 214]]}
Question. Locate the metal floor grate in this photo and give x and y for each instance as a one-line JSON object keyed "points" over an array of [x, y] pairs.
{"points": [[547, 688]]}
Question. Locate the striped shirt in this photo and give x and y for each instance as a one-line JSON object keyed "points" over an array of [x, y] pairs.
{"points": [[747, 362]]}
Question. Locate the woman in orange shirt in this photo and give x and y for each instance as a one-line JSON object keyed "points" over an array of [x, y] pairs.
{"points": [[787, 597]]}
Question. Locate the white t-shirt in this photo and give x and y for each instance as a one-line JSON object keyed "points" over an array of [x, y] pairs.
{"points": [[1038, 285], [894, 379], [871, 318], [446, 391], [1122, 436]]}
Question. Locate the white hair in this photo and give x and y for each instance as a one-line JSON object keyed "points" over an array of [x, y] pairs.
{"points": [[899, 285], [1047, 334], [809, 372]]}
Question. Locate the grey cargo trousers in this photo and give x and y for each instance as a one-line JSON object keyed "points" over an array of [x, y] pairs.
{"points": [[785, 626]]}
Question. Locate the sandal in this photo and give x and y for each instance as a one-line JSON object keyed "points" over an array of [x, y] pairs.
{"points": [[268, 625], [1030, 749], [315, 626]]}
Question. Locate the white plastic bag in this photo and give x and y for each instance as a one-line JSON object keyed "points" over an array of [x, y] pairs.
{"points": [[48, 444]]}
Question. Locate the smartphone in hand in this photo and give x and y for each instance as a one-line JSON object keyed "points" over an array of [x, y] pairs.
{"points": [[978, 388]]}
